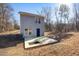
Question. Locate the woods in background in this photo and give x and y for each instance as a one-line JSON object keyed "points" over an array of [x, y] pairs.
{"points": [[63, 22], [7, 21]]}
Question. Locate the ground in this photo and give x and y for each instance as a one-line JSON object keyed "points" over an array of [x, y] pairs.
{"points": [[66, 47]]}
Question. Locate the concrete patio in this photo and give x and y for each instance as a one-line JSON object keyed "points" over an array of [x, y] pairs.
{"points": [[39, 41]]}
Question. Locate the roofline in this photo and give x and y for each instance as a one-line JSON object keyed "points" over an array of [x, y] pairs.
{"points": [[30, 14]]}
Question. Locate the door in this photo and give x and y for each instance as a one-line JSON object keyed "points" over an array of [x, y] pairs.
{"points": [[38, 32]]}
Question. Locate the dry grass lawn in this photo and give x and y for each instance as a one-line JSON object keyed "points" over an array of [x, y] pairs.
{"points": [[10, 32], [67, 47]]}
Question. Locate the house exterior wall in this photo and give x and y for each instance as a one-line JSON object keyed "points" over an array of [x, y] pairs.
{"points": [[30, 22]]}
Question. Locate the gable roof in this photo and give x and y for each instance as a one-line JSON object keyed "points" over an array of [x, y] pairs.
{"points": [[30, 14]]}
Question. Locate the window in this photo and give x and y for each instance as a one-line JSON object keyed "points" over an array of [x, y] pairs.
{"points": [[28, 31], [38, 21]]}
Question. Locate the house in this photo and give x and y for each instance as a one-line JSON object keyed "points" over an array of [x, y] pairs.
{"points": [[31, 25]]}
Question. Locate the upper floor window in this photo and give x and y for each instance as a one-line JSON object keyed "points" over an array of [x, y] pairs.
{"points": [[38, 20]]}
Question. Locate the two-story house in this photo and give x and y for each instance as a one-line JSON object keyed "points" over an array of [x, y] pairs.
{"points": [[31, 25]]}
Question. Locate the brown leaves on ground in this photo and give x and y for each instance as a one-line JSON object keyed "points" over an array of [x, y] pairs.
{"points": [[68, 46]]}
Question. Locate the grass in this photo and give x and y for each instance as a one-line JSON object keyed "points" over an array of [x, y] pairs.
{"points": [[68, 46]]}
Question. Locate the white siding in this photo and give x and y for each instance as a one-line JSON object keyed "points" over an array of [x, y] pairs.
{"points": [[29, 22]]}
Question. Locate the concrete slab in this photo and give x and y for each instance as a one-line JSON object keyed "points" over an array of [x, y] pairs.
{"points": [[41, 41]]}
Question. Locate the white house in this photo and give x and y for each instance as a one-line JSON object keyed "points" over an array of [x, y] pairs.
{"points": [[31, 25]]}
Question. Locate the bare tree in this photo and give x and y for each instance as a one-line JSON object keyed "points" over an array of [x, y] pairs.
{"points": [[76, 16], [46, 12], [5, 16], [64, 15], [57, 28], [16, 26]]}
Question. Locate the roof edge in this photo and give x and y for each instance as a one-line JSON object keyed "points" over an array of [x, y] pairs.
{"points": [[31, 14]]}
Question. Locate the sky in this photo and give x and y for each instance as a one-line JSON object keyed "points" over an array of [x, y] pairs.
{"points": [[28, 7], [33, 8]]}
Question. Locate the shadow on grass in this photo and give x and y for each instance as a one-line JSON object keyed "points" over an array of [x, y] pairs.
{"points": [[67, 36], [10, 40], [60, 36]]}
